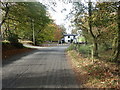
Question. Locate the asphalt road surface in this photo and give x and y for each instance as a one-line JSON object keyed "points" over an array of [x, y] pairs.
{"points": [[45, 67]]}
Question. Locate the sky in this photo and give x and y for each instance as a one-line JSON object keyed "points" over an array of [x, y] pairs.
{"points": [[61, 10]]}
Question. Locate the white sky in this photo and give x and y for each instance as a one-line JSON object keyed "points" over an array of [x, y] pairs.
{"points": [[59, 12]]}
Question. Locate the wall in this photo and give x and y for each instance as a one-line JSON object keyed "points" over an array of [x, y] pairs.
{"points": [[66, 38]]}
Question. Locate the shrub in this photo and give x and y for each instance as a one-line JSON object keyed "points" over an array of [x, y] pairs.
{"points": [[5, 43], [12, 45], [71, 47], [85, 49], [13, 38], [17, 45]]}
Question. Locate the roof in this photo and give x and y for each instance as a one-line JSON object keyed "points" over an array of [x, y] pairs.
{"points": [[70, 34]]}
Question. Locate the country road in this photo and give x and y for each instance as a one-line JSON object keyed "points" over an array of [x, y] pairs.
{"points": [[41, 68]]}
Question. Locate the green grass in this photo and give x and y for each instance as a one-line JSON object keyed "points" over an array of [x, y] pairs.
{"points": [[71, 47], [81, 48]]}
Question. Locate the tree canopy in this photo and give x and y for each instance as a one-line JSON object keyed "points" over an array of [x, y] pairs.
{"points": [[99, 24], [24, 18]]}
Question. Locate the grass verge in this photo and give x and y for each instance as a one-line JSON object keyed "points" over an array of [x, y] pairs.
{"points": [[97, 74]]}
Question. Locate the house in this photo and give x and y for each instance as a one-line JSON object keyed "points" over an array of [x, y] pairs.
{"points": [[68, 38]]}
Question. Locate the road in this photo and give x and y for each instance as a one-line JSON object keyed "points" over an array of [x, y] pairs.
{"points": [[41, 68]]}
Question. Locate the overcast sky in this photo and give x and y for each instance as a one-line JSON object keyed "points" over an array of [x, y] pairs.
{"points": [[59, 12]]}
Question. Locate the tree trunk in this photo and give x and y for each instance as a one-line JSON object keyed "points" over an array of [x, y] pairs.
{"points": [[6, 15], [95, 49], [117, 51], [95, 45]]}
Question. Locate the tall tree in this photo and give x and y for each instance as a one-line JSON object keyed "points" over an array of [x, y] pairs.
{"points": [[117, 50], [95, 45]]}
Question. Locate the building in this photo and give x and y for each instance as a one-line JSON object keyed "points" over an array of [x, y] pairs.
{"points": [[68, 38]]}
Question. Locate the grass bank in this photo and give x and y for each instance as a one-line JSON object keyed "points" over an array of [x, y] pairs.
{"points": [[94, 73]]}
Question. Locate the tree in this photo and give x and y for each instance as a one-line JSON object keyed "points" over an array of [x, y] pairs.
{"points": [[82, 19], [20, 16], [95, 44], [105, 21], [99, 25], [117, 50]]}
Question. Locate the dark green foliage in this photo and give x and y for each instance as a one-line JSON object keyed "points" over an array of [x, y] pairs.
{"points": [[17, 45], [5, 43], [13, 38], [11, 45]]}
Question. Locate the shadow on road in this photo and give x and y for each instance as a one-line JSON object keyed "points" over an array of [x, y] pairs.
{"points": [[18, 56], [49, 79], [44, 51]]}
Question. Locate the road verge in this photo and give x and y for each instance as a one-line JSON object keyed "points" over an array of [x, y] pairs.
{"points": [[97, 74]]}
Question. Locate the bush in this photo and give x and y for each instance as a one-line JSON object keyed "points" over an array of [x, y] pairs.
{"points": [[85, 49], [17, 45], [81, 48], [71, 47], [13, 38], [8, 45], [5, 43], [103, 47]]}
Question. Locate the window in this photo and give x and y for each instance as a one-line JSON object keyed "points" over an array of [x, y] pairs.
{"points": [[68, 36], [68, 40]]}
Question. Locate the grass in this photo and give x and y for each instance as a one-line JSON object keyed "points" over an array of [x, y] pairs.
{"points": [[97, 74], [84, 49]]}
